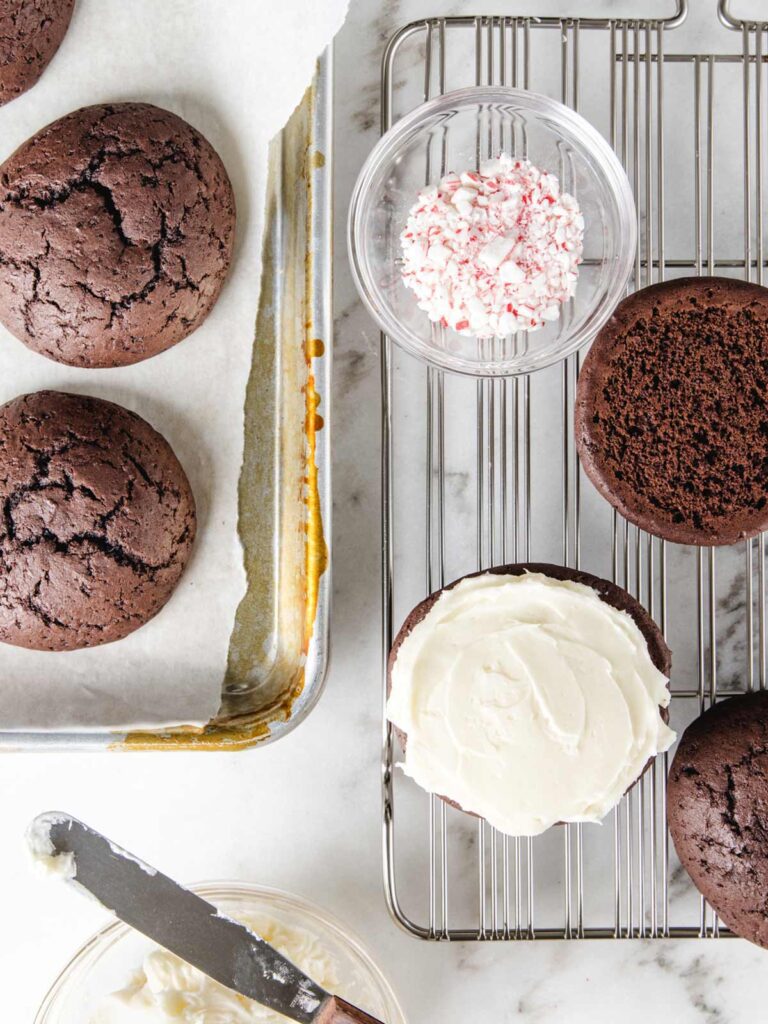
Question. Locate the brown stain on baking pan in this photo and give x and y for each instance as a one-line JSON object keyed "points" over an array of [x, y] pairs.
{"points": [[316, 546], [279, 488], [315, 349]]}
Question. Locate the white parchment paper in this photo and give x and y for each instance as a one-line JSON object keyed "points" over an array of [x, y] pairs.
{"points": [[235, 69]]}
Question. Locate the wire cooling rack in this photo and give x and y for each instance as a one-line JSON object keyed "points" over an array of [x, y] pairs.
{"points": [[477, 472]]}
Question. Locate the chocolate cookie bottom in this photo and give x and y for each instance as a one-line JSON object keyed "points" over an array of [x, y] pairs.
{"points": [[672, 410]]}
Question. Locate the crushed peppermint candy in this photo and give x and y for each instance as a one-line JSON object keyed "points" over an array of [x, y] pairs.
{"points": [[493, 251]]}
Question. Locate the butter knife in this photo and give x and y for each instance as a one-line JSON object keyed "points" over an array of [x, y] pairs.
{"points": [[185, 924]]}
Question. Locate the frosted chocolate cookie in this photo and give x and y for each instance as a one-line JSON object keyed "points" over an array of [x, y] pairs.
{"points": [[672, 410], [31, 32], [530, 694], [97, 526], [717, 806], [116, 232]]}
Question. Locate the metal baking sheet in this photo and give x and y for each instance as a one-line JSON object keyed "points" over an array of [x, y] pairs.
{"points": [[279, 640]]}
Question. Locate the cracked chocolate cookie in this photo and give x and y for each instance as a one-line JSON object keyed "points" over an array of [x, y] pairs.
{"points": [[116, 231], [98, 521], [31, 32], [672, 410], [717, 806]]}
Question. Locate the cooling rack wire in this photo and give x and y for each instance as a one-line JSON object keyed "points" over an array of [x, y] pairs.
{"points": [[621, 880]]}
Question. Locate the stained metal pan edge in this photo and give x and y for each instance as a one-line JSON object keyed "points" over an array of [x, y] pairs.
{"points": [[301, 156]]}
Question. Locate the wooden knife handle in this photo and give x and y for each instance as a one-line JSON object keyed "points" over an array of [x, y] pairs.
{"points": [[336, 1011]]}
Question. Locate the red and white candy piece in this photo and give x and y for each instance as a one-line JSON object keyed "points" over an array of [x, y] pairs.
{"points": [[493, 251]]}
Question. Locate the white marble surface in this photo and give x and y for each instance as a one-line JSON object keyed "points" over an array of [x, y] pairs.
{"points": [[303, 814]]}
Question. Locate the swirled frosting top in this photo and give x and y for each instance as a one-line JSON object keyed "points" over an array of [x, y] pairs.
{"points": [[527, 700]]}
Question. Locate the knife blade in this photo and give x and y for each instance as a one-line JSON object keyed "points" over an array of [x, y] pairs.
{"points": [[187, 925]]}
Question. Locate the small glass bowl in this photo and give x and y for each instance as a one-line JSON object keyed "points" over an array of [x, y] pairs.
{"points": [[449, 134], [105, 963]]}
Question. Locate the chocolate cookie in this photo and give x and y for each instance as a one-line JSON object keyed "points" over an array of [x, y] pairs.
{"points": [[659, 652], [717, 807], [97, 526], [116, 232], [31, 32], [672, 410]]}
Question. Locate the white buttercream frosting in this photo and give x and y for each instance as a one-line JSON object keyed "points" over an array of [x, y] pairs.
{"points": [[44, 855], [527, 700], [166, 990]]}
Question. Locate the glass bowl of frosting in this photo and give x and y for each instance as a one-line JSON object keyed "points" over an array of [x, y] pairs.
{"points": [[121, 977], [492, 231]]}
